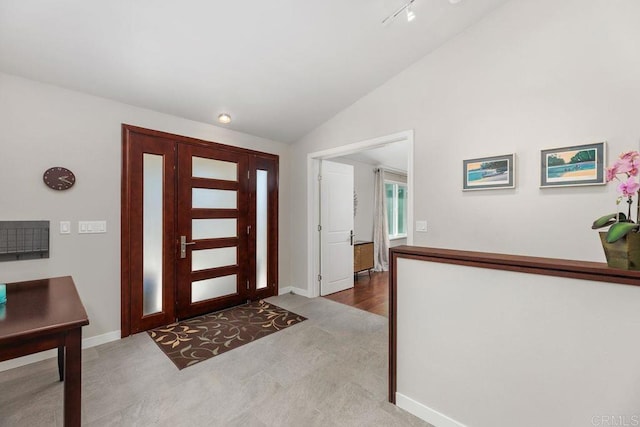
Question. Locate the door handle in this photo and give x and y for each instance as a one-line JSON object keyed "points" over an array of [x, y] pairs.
{"points": [[183, 246], [351, 236]]}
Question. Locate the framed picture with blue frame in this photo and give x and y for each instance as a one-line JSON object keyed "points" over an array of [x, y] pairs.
{"points": [[489, 173], [573, 166]]}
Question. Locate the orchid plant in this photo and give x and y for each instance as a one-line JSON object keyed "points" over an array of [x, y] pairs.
{"points": [[625, 171]]}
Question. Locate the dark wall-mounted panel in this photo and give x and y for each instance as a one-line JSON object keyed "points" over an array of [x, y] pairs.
{"points": [[21, 240]]}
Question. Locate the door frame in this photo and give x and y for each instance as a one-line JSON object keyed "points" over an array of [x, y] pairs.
{"points": [[313, 196], [126, 222]]}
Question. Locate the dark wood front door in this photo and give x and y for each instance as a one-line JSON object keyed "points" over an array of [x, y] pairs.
{"points": [[213, 230], [199, 227]]}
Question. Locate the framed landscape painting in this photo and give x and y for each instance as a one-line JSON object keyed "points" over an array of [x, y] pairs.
{"points": [[488, 173], [572, 166]]}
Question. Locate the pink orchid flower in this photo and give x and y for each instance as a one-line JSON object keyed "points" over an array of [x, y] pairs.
{"points": [[628, 163], [630, 155], [629, 188]]}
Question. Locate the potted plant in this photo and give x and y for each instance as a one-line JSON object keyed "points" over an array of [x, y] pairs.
{"points": [[621, 242]]}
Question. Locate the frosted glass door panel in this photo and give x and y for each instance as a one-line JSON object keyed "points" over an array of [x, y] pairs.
{"points": [[214, 199], [213, 288], [213, 258], [152, 165], [213, 228], [213, 169], [262, 210]]}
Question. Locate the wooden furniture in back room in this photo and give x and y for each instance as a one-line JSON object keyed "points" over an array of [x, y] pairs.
{"points": [[362, 257]]}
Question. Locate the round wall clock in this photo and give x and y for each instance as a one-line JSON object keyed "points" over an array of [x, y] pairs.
{"points": [[59, 178]]}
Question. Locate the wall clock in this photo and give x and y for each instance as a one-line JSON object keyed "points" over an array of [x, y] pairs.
{"points": [[59, 178]]}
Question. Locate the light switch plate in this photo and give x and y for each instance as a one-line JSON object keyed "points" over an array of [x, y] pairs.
{"points": [[65, 227], [92, 227], [421, 226]]}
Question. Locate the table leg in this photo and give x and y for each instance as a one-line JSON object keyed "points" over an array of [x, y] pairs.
{"points": [[61, 362], [72, 378]]}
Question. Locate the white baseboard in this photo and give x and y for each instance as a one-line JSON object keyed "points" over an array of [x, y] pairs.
{"points": [[424, 412], [292, 289], [101, 339], [49, 354]]}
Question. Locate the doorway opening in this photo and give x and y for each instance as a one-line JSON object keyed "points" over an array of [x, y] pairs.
{"points": [[199, 227], [314, 217]]}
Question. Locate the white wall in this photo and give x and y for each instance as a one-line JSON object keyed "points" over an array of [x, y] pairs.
{"points": [[534, 74], [43, 126], [493, 348]]}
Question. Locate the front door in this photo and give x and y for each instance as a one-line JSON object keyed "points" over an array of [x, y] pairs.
{"points": [[213, 230], [199, 227]]}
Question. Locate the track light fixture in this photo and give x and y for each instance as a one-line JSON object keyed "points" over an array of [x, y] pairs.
{"points": [[407, 6], [410, 15]]}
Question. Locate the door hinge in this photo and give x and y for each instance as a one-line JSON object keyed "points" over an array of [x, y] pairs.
{"points": [[247, 284], [248, 229], [319, 227], [248, 174], [319, 278], [319, 177]]}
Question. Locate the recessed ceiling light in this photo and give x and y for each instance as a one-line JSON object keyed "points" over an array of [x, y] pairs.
{"points": [[224, 118]]}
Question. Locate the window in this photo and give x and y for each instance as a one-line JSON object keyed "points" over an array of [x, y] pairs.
{"points": [[396, 193]]}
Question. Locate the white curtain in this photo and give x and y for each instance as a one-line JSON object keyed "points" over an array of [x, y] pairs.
{"points": [[380, 229]]}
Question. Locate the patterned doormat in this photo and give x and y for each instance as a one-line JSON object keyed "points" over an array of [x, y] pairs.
{"points": [[191, 341]]}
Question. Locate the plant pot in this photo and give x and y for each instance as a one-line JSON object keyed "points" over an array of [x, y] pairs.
{"points": [[624, 253]]}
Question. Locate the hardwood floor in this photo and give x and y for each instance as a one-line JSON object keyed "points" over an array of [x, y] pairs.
{"points": [[369, 294]]}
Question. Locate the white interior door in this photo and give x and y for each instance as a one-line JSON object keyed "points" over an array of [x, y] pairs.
{"points": [[336, 220]]}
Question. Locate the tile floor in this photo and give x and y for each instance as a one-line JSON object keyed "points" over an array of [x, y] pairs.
{"points": [[330, 370]]}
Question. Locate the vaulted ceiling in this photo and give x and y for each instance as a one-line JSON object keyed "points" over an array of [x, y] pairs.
{"points": [[279, 67]]}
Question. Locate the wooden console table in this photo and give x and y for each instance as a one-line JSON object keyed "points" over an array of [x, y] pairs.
{"points": [[42, 315]]}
